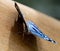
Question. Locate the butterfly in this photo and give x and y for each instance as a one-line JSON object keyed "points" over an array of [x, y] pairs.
{"points": [[31, 27]]}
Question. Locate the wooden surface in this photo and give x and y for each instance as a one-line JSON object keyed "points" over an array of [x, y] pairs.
{"points": [[11, 40]]}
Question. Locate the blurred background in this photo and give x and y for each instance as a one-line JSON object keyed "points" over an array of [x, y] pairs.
{"points": [[49, 7]]}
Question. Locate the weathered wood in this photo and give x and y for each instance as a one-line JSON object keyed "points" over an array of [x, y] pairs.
{"points": [[11, 40]]}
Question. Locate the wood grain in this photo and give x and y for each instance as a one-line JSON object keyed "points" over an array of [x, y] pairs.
{"points": [[11, 40]]}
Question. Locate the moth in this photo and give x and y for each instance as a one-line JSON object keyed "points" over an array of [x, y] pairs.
{"points": [[31, 27]]}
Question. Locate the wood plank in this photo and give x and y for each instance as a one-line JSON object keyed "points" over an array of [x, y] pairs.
{"points": [[10, 40]]}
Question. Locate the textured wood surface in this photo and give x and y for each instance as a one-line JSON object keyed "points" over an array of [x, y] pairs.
{"points": [[11, 40]]}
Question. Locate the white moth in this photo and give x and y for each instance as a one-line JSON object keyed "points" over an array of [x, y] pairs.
{"points": [[32, 28]]}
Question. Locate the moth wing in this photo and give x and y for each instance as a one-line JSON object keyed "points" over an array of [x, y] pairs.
{"points": [[32, 28]]}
